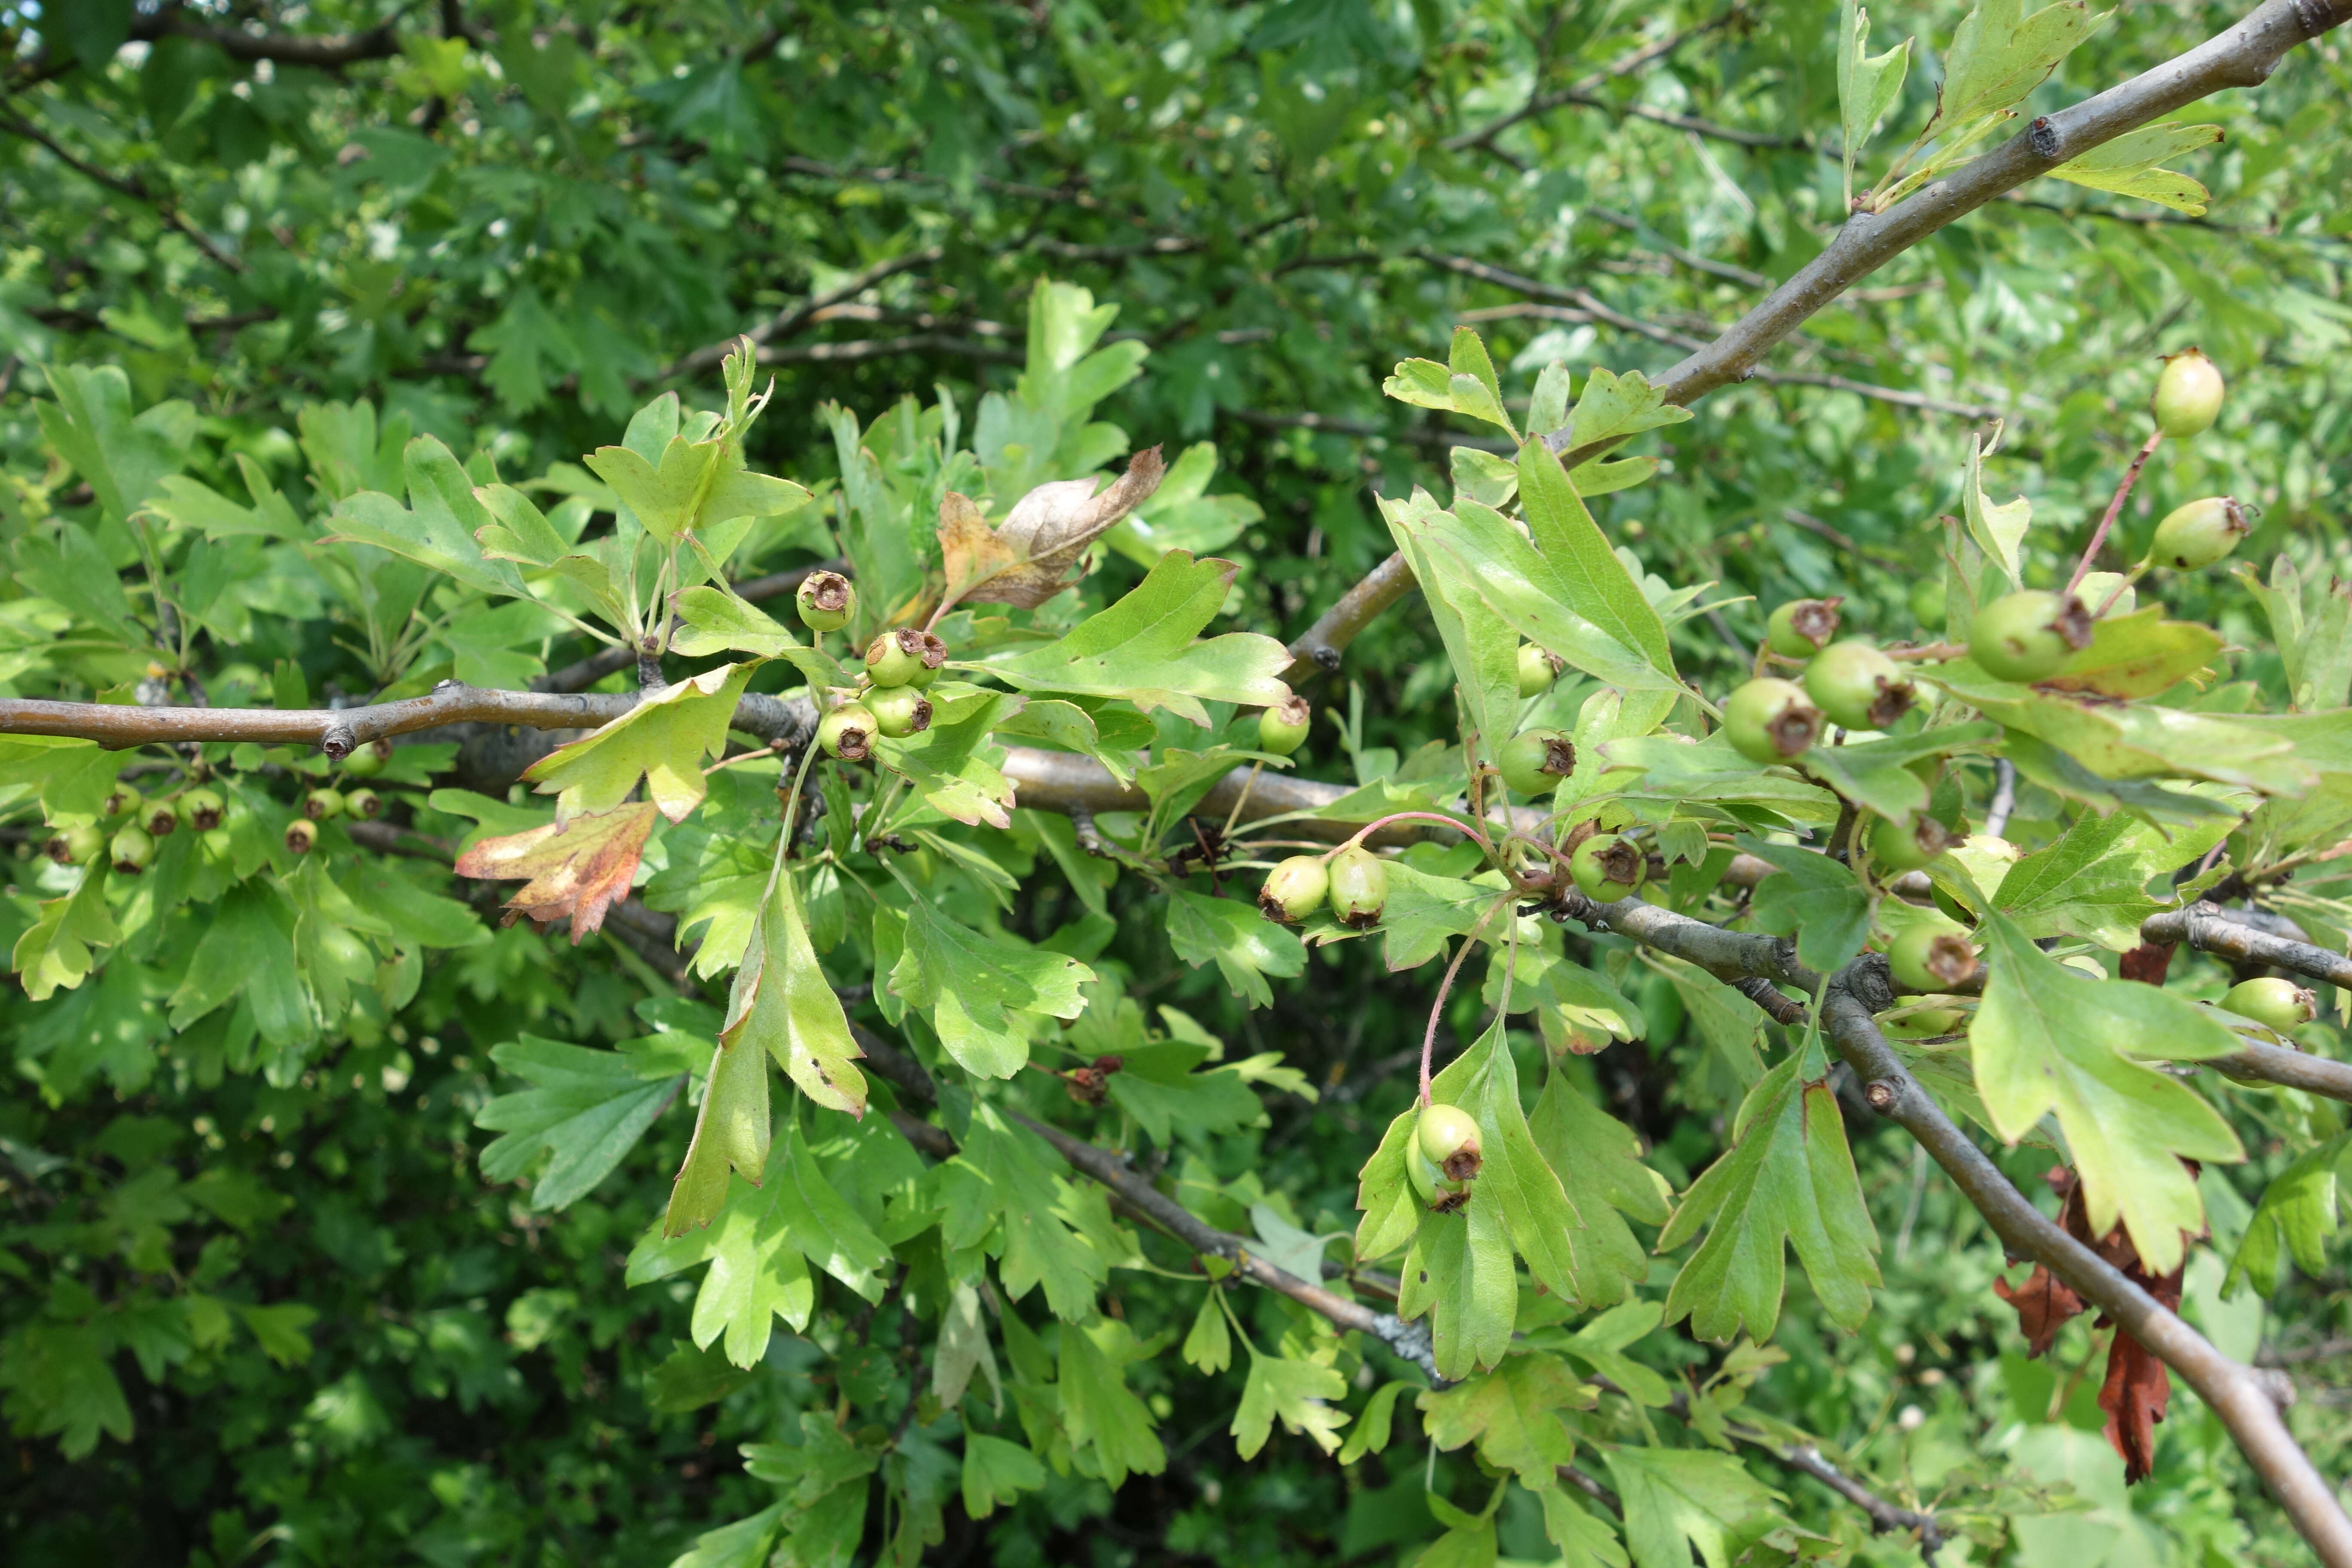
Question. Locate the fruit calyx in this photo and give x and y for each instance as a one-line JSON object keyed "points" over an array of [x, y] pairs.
{"points": [[1534, 761], [1802, 627], [906, 657], [825, 600], [1607, 868], [847, 733], [1925, 959], [1769, 721]]}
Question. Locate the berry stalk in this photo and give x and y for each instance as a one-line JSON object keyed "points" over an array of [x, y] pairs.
{"points": [[2114, 508]]}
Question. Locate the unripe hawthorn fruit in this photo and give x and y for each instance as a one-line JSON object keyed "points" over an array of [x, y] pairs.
{"points": [[2199, 533], [847, 733], [1929, 958], [2274, 1004], [1901, 848], [905, 657], [1857, 685], [1294, 888], [2029, 635], [363, 804], [1534, 761], [1927, 1023], [75, 846], [1282, 729], [827, 601], [1607, 868], [1768, 720], [1802, 627], [1927, 601], [130, 850], [122, 800], [900, 711], [1447, 1137], [301, 834], [367, 761], [159, 818], [1360, 888], [321, 804], [2188, 394], [203, 809], [1536, 670]]}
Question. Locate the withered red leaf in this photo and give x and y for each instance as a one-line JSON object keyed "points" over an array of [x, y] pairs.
{"points": [[576, 868], [2044, 1304]]}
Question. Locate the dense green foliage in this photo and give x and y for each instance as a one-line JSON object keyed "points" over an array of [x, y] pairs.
{"points": [[330, 1210]]}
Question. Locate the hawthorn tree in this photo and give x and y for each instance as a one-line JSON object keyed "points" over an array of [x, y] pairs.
{"points": [[946, 768]]}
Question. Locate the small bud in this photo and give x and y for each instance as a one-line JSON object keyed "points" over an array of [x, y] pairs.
{"points": [[1282, 729], [1294, 890], [826, 600], [1360, 888]]}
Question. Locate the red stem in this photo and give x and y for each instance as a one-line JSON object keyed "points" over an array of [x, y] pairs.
{"points": [[1410, 815], [2114, 508], [1445, 987]]}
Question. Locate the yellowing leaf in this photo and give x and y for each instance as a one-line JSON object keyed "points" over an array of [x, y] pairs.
{"points": [[783, 1004], [1027, 559], [576, 868], [55, 953], [731, 1131], [662, 740], [2130, 166], [1998, 55]]}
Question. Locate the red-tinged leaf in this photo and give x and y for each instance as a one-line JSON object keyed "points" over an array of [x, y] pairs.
{"points": [[2146, 963], [2044, 1304], [2134, 1396], [576, 868]]}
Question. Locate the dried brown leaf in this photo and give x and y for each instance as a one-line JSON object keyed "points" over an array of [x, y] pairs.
{"points": [[1030, 556], [576, 868], [2044, 1305]]}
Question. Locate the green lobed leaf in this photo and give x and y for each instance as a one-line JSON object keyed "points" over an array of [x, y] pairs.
{"points": [[972, 983], [1297, 1394], [661, 741], [782, 1003], [1788, 1180], [1512, 1414]]}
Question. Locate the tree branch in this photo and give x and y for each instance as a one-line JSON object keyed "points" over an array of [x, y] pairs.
{"points": [[2231, 1390], [787, 321], [2243, 55], [1624, 65], [2209, 928]]}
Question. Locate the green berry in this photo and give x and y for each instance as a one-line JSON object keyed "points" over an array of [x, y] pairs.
{"points": [[1536, 670], [1360, 888], [366, 762], [1447, 1137], [1282, 729], [1930, 958], [1857, 685], [2188, 394], [203, 809], [122, 800], [131, 850], [1802, 627], [321, 804], [2274, 1004], [1607, 868], [1927, 1023], [900, 711], [2199, 533], [75, 846], [301, 834], [905, 657], [363, 804], [1534, 761], [2029, 635], [827, 601], [1768, 720], [1294, 888], [847, 733], [1428, 1180], [1927, 601], [159, 818], [1901, 848]]}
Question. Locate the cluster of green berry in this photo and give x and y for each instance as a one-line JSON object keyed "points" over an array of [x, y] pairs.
{"points": [[130, 847], [899, 665]]}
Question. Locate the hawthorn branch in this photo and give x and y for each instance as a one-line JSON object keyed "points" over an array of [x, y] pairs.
{"points": [[2229, 1388], [2209, 928], [787, 321]]}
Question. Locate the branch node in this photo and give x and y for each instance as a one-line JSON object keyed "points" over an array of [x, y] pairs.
{"points": [[340, 741], [1880, 1093], [2047, 143]]}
